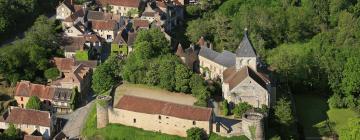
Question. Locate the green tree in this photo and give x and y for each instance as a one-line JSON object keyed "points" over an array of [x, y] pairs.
{"points": [[157, 40], [12, 133], [182, 78], [166, 71], [52, 73], [106, 75], [33, 103], [241, 108], [351, 131], [198, 28], [283, 112], [196, 133]]}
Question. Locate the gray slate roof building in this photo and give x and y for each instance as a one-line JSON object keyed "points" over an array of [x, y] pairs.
{"points": [[225, 58], [245, 48]]}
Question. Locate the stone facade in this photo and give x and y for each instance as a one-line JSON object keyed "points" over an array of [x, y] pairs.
{"points": [[253, 125], [102, 106], [157, 122], [158, 116], [28, 121]]}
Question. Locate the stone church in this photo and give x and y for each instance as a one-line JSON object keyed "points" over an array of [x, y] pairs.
{"points": [[242, 80]]}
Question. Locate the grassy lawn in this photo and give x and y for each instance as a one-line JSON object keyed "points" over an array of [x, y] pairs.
{"points": [[340, 117], [121, 132], [312, 110], [81, 55]]}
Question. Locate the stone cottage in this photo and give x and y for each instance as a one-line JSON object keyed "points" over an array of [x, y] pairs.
{"points": [[29, 121]]}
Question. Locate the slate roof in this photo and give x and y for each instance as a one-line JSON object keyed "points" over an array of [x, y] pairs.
{"points": [[27, 89], [245, 48], [62, 94], [225, 58], [208, 53], [29, 116], [234, 77], [151, 106]]}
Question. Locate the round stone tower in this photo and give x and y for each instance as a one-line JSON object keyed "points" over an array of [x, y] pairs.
{"points": [[102, 106], [253, 125]]}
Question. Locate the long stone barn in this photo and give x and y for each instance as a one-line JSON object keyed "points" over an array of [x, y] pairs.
{"points": [[160, 116]]}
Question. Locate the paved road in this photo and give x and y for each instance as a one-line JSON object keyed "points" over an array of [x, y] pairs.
{"points": [[76, 121]]}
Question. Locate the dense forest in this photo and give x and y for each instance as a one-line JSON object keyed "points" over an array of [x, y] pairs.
{"points": [[17, 15], [311, 44]]}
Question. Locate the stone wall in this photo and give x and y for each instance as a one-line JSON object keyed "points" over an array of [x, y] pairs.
{"points": [[253, 125], [157, 122], [102, 106]]}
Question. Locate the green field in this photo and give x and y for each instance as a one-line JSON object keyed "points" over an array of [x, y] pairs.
{"points": [[313, 111], [121, 132]]}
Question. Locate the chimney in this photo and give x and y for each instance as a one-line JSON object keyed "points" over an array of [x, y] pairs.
{"points": [[71, 2]]}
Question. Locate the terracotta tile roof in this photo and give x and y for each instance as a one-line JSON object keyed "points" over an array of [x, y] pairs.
{"points": [[233, 77], [127, 3], [104, 25], [27, 89], [150, 106], [139, 23], [64, 64], [31, 137], [29, 116], [92, 38]]}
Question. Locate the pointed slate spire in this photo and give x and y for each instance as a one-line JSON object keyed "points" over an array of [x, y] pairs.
{"points": [[245, 48]]}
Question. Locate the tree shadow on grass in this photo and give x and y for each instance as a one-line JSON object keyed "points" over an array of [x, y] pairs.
{"points": [[311, 110]]}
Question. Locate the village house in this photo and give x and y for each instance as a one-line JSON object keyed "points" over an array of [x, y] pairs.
{"points": [[73, 75], [70, 13], [160, 116], [105, 29], [139, 24], [121, 7], [75, 30], [66, 8], [85, 42], [29, 121], [123, 43], [53, 99], [25, 89]]}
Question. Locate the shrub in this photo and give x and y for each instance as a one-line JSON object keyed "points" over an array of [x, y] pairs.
{"points": [[241, 108], [196, 133], [225, 108], [33, 103]]}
